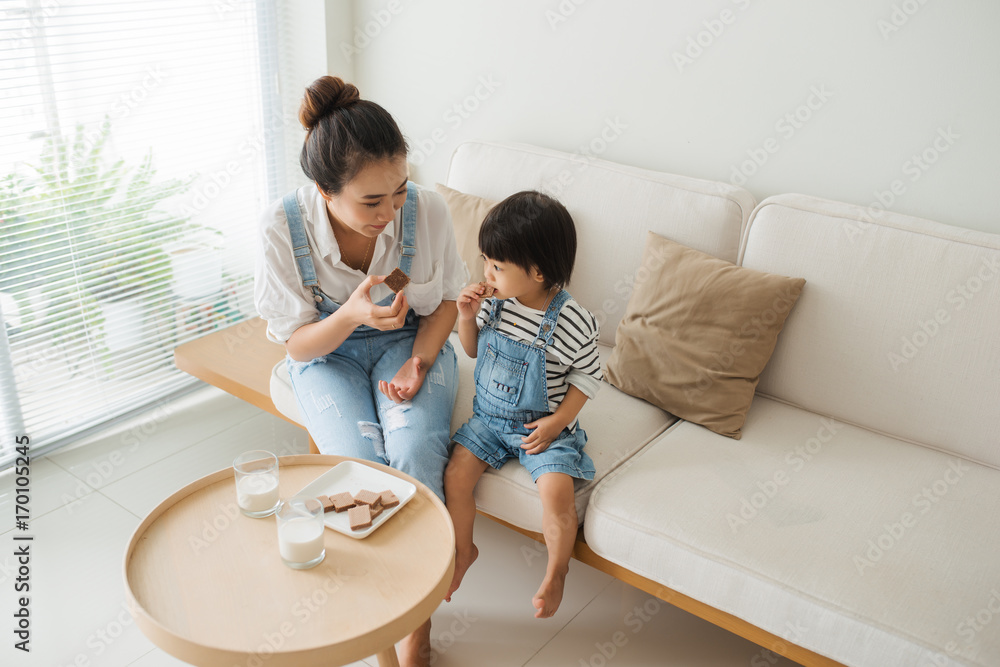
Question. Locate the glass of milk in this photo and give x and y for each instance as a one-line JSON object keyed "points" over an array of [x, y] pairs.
{"points": [[300, 532], [256, 483]]}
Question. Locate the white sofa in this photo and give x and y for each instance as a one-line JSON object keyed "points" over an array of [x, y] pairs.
{"points": [[857, 518]]}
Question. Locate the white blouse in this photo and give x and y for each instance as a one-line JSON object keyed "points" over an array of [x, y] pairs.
{"points": [[437, 273]]}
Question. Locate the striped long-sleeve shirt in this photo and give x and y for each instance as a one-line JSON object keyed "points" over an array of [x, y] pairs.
{"points": [[571, 357]]}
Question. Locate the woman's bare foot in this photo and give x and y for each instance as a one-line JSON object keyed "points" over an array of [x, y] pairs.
{"points": [[549, 595], [462, 564], [415, 649]]}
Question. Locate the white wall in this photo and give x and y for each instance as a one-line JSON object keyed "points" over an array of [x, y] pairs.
{"points": [[559, 73]]}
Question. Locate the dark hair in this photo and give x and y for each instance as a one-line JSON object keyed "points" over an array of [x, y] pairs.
{"points": [[531, 230], [345, 133]]}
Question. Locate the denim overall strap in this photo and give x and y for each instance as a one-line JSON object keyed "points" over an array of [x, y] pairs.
{"points": [[494, 318], [303, 257], [300, 244], [548, 324], [407, 246]]}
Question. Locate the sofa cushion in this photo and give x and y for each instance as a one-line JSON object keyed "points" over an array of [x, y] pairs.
{"points": [[617, 426], [852, 544], [467, 215], [897, 327], [282, 394], [697, 333], [613, 206]]}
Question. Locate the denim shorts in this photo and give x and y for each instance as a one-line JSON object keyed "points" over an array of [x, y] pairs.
{"points": [[495, 440]]}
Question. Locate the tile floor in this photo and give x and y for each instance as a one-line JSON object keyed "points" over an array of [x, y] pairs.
{"points": [[86, 501]]}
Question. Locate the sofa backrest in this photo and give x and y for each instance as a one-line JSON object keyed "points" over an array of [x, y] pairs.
{"points": [[897, 328], [613, 206]]}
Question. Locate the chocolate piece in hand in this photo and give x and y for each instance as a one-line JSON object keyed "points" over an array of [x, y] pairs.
{"points": [[397, 280], [488, 290]]}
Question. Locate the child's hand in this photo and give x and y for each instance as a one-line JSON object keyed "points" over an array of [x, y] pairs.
{"points": [[546, 430], [468, 301]]}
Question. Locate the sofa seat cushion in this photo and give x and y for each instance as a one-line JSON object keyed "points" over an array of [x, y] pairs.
{"points": [[617, 427], [855, 545], [282, 395]]}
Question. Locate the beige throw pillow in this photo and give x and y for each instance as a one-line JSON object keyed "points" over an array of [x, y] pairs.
{"points": [[697, 334], [467, 215]]}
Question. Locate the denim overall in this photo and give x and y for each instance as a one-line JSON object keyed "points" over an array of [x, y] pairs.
{"points": [[511, 391], [338, 394]]}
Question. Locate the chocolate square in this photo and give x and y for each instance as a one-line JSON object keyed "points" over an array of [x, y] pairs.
{"points": [[327, 503], [360, 517], [366, 497], [388, 499], [397, 280], [342, 501]]}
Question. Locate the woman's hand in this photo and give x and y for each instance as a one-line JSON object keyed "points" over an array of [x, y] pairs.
{"points": [[546, 430], [468, 301], [362, 310], [407, 381]]}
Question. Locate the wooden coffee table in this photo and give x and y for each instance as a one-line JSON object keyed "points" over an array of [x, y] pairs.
{"points": [[206, 584]]}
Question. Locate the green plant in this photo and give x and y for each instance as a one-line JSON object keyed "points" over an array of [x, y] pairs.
{"points": [[108, 214], [82, 227]]}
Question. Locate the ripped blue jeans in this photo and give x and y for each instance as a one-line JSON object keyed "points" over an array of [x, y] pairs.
{"points": [[346, 414]]}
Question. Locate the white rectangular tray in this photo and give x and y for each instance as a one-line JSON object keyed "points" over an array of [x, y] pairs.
{"points": [[352, 477]]}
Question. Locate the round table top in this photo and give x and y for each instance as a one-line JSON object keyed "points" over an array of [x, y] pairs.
{"points": [[206, 583]]}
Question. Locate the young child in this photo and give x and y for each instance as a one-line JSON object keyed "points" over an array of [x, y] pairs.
{"points": [[536, 366]]}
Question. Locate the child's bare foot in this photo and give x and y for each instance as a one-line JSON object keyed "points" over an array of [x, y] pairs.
{"points": [[549, 595], [462, 563]]}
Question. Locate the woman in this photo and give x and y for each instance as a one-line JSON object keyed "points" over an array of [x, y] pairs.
{"points": [[373, 372]]}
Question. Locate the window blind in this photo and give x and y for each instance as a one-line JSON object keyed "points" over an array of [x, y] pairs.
{"points": [[139, 140]]}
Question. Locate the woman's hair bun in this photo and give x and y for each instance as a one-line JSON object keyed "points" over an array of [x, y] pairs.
{"points": [[323, 96]]}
